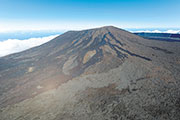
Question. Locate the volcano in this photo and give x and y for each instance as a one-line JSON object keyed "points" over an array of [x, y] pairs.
{"points": [[95, 74]]}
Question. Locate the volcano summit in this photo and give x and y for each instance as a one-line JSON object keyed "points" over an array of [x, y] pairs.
{"points": [[96, 74]]}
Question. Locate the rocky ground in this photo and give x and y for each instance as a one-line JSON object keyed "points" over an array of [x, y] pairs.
{"points": [[105, 74]]}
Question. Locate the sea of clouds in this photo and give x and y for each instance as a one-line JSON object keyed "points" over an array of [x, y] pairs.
{"points": [[157, 31], [15, 45]]}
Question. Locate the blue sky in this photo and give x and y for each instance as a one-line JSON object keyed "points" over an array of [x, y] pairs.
{"points": [[80, 14]]}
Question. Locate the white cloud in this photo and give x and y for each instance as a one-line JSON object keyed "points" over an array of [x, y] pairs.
{"points": [[15, 45], [172, 31], [158, 31]]}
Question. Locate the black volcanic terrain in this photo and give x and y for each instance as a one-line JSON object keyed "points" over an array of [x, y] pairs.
{"points": [[97, 74]]}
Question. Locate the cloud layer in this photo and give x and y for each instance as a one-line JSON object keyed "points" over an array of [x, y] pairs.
{"points": [[158, 31], [15, 45]]}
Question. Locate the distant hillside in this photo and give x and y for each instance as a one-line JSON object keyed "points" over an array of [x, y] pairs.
{"points": [[161, 36]]}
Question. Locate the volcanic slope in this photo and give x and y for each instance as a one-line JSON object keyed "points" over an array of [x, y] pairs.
{"points": [[95, 74]]}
